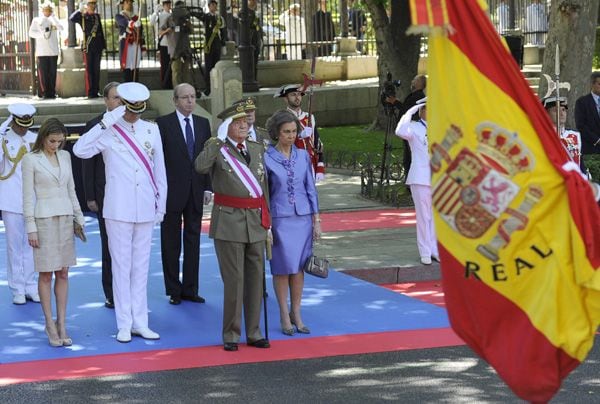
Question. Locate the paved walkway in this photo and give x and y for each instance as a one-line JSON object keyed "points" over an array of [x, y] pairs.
{"points": [[376, 255]]}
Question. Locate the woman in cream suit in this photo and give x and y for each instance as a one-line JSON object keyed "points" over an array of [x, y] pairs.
{"points": [[52, 215]]}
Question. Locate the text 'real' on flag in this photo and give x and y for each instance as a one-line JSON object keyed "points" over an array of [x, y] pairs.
{"points": [[519, 232]]}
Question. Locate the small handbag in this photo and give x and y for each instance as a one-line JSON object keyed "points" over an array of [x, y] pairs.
{"points": [[316, 266]]}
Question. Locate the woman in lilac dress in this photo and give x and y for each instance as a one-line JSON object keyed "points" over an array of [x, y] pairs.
{"points": [[295, 216]]}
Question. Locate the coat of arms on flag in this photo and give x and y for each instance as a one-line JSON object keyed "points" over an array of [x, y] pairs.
{"points": [[477, 188]]}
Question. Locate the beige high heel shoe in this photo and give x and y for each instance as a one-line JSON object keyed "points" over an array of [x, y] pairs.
{"points": [[53, 338], [66, 341]]}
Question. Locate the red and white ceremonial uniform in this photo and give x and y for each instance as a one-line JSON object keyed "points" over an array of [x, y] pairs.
{"points": [[571, 140], [19, 270], [311, 144]]}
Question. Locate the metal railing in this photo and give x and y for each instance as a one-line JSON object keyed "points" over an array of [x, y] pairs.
{"points": [[525, 18]]}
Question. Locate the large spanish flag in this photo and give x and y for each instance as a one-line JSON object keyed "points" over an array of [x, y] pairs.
{"points": [[517, 224]]}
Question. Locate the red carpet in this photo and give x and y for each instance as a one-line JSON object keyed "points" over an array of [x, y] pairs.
{"points": [[428, 291], [360, 220], [149, 361]]}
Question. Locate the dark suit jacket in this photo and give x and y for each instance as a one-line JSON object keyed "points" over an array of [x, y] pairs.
{"points": [[92, 170], [587, 121], [183, 181]]}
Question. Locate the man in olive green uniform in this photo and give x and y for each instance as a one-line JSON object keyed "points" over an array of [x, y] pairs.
{"points": [[239, 223]]}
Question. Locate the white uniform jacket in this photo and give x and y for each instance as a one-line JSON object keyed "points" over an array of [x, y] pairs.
{"points": [[11, 189], [415, 132], [44, 193], [46, 43], [129, 195]]}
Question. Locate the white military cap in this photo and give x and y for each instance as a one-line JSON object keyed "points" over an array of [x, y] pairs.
{"points": [[134, 96], [286, 89], [22, 114], [550, 102], [47, 4]]}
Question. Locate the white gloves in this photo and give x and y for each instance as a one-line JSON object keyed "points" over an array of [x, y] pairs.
{"points": [[207, 197], [306, 132], [137, 24], [111, 117], [319, 177], [158, 218], [223, 129], [269, 237]]}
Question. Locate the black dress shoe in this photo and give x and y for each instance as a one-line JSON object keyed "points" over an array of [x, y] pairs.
{"points": [[109, 304], [195, 299], [230, 346], [260, 343], [175, 300]]}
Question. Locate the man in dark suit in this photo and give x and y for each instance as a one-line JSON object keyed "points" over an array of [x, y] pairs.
{"points": [[94, 181], [239, 223], [587, 117], [183, 135]]}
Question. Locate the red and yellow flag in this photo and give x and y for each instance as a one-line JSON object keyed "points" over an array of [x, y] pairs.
{"points": [[519, 233]]}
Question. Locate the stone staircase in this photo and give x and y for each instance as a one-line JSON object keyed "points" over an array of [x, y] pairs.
{"points": [[533, 74]]}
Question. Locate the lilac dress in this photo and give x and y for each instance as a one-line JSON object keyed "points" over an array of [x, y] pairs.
{"points": [[293, 202]]}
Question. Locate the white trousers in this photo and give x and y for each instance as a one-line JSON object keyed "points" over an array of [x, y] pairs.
{"points": [[426, 240], [20, 268], [129, 245]]}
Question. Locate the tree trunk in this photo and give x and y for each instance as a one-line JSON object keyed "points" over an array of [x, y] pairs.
{"points": [[573, 28], [398, 53]]}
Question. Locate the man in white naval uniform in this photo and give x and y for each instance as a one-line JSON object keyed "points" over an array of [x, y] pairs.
{"points": [[135, 199], [419, 179], [44, 29], [16, 140]]}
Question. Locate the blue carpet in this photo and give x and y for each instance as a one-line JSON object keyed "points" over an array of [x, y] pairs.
{"points": [[339, 305]]}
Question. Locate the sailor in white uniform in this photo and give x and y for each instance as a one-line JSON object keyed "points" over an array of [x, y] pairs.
{"points": [[16, 140], [419, 179], [135, 199]]}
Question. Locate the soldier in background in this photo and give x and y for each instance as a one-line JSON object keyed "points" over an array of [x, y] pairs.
{"points": [[215, 36], [130, 41], [44, 30], [308, 138], [255, 133], [159, 19], [15, 141], [256, 33], [92, 46]]}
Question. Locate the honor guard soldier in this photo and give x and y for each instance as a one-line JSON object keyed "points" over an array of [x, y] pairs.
{"points": [[239, 222], [255, 133], [135, 199], [93, 44], [570, 139], [215, 36], [16, 140], [131, 37], [309, 138]]}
